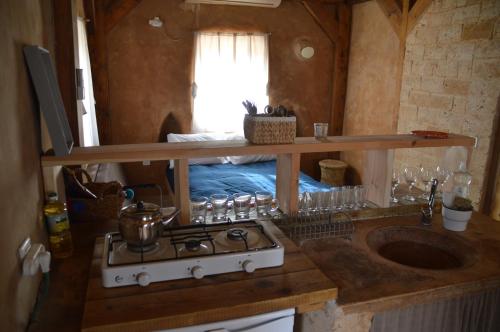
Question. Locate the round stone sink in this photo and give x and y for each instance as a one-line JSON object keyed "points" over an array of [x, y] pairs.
{"points": [[421, 248]]}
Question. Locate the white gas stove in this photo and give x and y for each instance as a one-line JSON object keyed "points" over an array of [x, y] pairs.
{"points": [[191, 252]]}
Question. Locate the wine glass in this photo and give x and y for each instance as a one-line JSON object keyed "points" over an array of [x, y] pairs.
{"points": [[427, 174], [442, 175], [410, 176], [394, 184]]}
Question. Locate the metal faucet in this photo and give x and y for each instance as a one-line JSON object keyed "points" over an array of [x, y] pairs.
{"points": [[427, 210]]}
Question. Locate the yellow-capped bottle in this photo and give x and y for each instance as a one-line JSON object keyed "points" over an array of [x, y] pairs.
{"points": [[56, 216]]}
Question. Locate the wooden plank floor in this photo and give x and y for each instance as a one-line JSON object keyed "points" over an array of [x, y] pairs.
{"points": [[296, 284]]}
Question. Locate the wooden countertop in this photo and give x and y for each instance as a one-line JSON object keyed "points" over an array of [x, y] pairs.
{"points": [[368, 282], [70, 306]]}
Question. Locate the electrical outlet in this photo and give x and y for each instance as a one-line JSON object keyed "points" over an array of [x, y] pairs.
{"points": [[146, 163], [24, 248]]}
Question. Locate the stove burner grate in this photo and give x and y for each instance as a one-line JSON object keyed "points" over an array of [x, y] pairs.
{"points": [[237, 234], [192, 244], [142, 249]]}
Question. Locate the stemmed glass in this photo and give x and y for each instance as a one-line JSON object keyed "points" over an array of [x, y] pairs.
{"points": [[394, 184], [410, 176], [442, 175], [426, 176]]}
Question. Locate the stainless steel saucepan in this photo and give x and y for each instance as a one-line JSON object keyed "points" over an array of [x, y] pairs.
{"points": [[141, 224]]}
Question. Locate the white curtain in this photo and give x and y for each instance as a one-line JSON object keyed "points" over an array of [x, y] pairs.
{"points": [[87, 120], [229, 68]]}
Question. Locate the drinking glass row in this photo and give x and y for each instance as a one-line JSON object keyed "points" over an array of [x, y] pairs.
{"points": [[221, 205], [334, 199], [412, 175]]}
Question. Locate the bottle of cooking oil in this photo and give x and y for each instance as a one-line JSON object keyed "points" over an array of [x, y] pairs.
{"points": [[56, 216]]}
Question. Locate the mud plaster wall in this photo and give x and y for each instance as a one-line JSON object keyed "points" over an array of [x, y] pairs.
{"points": [[451, 80], [21, 22], [371, 99], [150, 70]]}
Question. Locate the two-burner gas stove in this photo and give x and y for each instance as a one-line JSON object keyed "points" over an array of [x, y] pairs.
{"points": [[191, 251]]}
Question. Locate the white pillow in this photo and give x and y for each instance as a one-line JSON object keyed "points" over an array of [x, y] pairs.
{"points": [[199, 138], [238, 160]]}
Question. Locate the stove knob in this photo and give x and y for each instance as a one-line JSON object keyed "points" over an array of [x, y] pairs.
{"points": [[143, 279], [248, 266], [197, 272]]}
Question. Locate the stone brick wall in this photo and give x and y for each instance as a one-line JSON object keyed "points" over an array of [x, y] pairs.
{"points": [[451, 80]]}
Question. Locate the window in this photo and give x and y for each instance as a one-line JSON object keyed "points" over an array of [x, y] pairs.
{"points": [[229, 68], [87, 122]]}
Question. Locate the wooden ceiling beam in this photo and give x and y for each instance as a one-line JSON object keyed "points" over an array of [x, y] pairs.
{"points": [[416, 12], [393, 13], [118, 9]]}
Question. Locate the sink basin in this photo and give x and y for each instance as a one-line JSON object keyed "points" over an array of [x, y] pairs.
{"points": [[421, 248]]}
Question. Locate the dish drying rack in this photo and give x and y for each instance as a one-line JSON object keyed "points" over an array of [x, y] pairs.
{"points": [[302, 226]]}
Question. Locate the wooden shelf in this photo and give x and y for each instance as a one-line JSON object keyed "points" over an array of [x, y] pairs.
{"points": [[378, 163], [185, 150]]}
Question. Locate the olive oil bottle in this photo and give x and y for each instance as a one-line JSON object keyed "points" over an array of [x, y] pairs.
{"points": [[56, 216]]}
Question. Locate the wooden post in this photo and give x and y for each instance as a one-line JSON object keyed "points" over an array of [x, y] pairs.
{"points": [[181, 176], [377, 175], [287, 181]]}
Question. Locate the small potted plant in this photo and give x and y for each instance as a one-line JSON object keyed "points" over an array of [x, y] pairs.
{"points": [[457, 213]]}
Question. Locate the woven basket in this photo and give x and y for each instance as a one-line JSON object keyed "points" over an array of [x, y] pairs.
{"points": [[332, 171], [261, 129], [82, 208]]}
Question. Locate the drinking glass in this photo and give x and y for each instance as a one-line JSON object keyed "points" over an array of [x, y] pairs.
{"points": [[305, 203], [360, 197], [426, 176], [219, 206], [241, 205], [320, 130], [324, 200], [265, 203], [410, 176], [394, 184], [315, 205], [335, 198], [347, 197], [198, 209]]}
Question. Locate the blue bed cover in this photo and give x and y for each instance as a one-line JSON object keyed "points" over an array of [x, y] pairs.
{"points": [[205, 180]]}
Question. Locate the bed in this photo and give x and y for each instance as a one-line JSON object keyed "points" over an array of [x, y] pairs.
{"points": [[205, 180], [231, 174]]}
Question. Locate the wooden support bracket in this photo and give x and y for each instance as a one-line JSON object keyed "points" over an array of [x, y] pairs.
{"points": [[324, 18], [116, 10], [416, 12], [287, 181], [392, 12], [181, 176]]}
